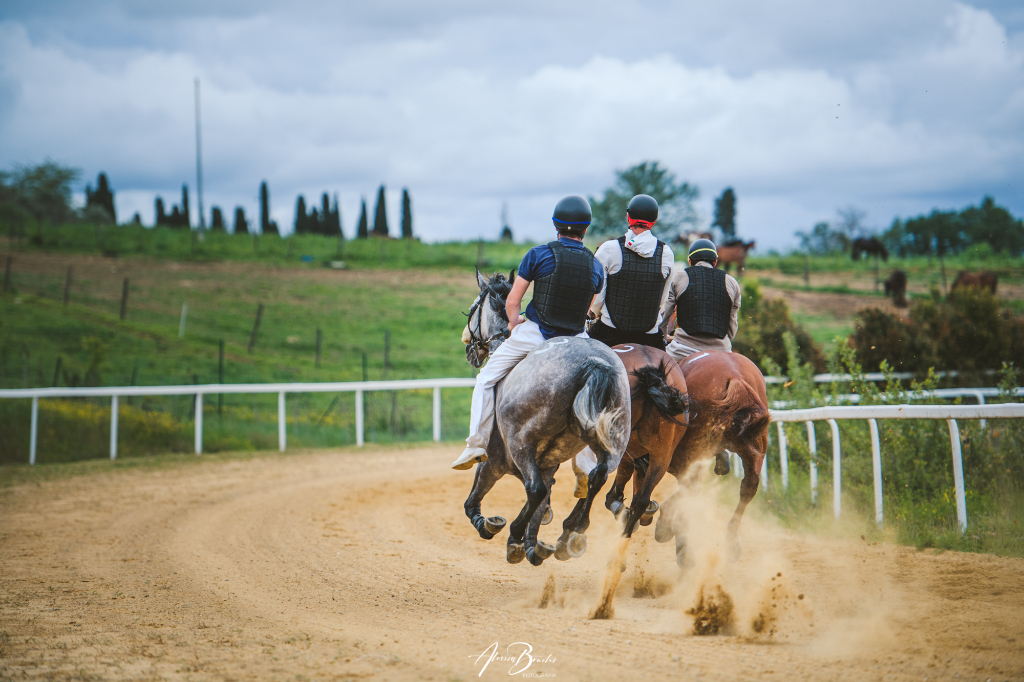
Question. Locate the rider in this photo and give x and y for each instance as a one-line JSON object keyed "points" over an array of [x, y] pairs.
{"points": [[638, 266], [567, 276], [706, 302]]}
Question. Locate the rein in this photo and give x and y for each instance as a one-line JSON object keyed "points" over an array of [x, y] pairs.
{"points": [[477, 341]]}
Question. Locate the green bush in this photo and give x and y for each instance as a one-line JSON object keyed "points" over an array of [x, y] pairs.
{"points": [[763, 324], [967, 330]]}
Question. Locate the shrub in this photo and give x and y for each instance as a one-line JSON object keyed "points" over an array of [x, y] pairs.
{"points": [[763, 323]]}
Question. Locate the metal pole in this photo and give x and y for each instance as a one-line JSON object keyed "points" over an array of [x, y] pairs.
{"points": [[199, 162], [199, 423], [282, 435], [783, 457], [437, 414], [33, 432], [981, 401], [764, 466], [184, 317], [837, 477], [876, 466], [359, 416], [812, 447], [113, 427], [958, 475]]}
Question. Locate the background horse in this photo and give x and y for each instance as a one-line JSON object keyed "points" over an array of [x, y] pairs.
{"points": [[567, 394], [896, 288], [734, 252], [727, 392], [975, 280], [658, 421], [871, 246]]}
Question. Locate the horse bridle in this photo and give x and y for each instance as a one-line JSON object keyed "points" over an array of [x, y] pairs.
{"points": [[477, 342]]}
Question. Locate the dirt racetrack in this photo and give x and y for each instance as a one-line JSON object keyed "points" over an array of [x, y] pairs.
{"points": [[353, 565]]}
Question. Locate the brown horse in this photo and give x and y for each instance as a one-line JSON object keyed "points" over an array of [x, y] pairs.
{"points": [[976, 280], [730, 404], [734, 252], [658, 421]]}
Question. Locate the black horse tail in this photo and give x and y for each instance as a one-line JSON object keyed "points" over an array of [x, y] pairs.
{"points": [[653, 389], [590, 406]]}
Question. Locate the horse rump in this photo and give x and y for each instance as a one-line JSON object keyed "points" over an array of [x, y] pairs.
{"points": [[598, 380], [653, 389], [741, 410]]}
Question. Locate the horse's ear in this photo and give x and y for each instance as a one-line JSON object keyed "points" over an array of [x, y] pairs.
{"points": [[512, 276], [480, 280]]}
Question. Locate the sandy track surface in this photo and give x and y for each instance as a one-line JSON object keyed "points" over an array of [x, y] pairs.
{"points": [[362, 565]]}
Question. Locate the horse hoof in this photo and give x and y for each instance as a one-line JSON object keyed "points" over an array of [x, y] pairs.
{"points": [[534, 557], [494, 524], [577, 545], [683, 559], [616, 508], [562, 551], [648, 516], [548, 515], [515, 552], [544, 550], [722, 464], [663, 531]]}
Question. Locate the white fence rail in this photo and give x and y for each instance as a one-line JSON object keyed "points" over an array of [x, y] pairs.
{"points": [[872, 413], [116, 392]]}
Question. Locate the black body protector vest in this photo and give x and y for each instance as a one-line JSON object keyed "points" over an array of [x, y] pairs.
{"points": [[634, 292], [563, 298], [705, 306]]}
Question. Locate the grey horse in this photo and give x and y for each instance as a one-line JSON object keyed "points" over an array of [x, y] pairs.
{"points": [[566, 394]]}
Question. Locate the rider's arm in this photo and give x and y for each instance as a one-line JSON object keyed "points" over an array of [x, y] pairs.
{"points": [[677, 285], [514, 302], [736, 294]]}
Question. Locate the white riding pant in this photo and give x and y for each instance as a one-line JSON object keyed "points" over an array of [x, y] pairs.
{"points": [[524, 338]]}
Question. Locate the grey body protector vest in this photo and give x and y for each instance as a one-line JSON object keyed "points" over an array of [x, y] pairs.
{"points": [[563, 298], [705, 307], [634, 292]]}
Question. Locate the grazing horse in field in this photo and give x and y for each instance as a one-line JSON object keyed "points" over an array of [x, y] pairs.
{"points": [[976, 280], [567, 394], [896, 287], [730, 412], [871, 246], [658, 419], [734, 252]]}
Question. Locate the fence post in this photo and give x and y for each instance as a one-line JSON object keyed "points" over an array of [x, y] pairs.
{"points": [[958, 475], [359, 416], [184, 319], [812, 447], [783, 457], [124, 299], [33, 432], [764, 466], [67, 286], [437, 414], [255, 328], [981, 401], [837, 476], [113, 427], [876, 466], [199, 423], [282, 432]]}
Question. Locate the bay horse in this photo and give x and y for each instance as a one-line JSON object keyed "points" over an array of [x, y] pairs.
{"points": [[730, 404], [975, 280], [896, 287], [567, 394], [734, 252], [658, 419]]}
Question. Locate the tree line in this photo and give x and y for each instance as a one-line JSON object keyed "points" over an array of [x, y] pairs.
{"points": [[43, 193]]}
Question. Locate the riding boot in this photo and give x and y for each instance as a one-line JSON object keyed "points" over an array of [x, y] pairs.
{"points": [[722, 463]]}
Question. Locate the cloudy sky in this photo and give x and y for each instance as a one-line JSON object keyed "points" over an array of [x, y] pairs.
{"points": [[802, 106]]}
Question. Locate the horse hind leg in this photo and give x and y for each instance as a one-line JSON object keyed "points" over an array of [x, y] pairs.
{"points": [[486, 476], [752, 460]]}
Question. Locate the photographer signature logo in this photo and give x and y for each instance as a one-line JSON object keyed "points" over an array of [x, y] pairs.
{"points": [[519, 656]]}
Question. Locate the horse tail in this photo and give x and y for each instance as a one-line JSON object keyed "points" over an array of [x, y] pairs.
{"points": [[653, 389], [742, 412], [598, 380]]}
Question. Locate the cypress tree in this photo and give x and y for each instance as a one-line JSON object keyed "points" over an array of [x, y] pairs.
{"points": [[186, 217], [334, 223], [725, 213], [217, 223], [361, 231], [161, 213], [406, 215], [324, 226], [241, 224], [102, 198], [380, 215], [301, 219], [267, 226]]}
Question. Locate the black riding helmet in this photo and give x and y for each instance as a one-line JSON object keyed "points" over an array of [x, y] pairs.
{"points": [[643, 207], [572, 214], [702, 249]]}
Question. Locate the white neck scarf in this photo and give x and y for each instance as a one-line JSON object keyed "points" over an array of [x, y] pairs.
{"points": [[644, 243]]}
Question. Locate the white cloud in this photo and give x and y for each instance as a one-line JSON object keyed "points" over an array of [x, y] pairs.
{"points": [[801, 109]]}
